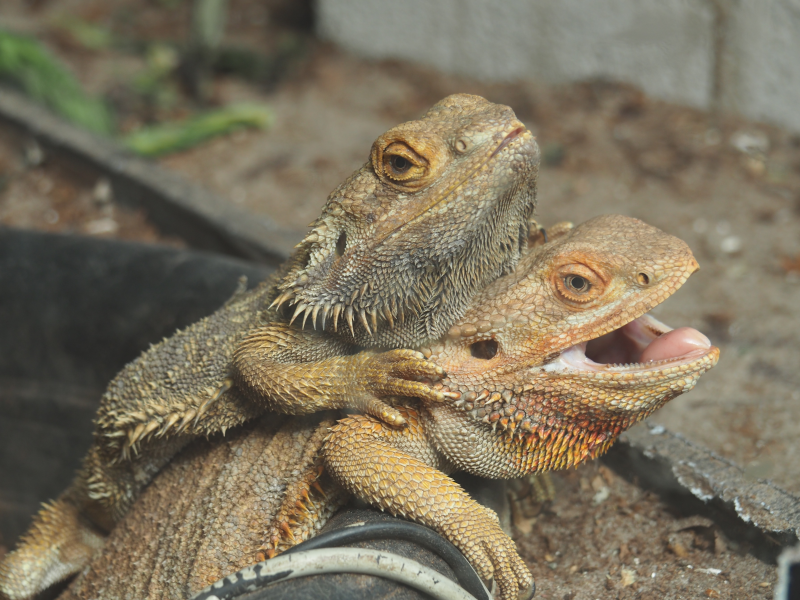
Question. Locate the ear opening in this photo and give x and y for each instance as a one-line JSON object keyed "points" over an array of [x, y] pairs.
{"points": [[485, 349], [341, 245]]}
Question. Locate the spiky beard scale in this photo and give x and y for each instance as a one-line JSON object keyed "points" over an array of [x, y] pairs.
{"points": [[430, 296]]}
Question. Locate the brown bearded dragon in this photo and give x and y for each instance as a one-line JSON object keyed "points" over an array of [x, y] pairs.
{"points": [[440, 210], [544, 371]]}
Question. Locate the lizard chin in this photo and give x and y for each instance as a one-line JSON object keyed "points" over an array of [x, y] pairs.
{"points": [[643, 345]]}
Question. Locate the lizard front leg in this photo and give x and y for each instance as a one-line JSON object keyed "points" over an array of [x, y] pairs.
{"points": [[58, 543], [398, 470], [297, 371]]}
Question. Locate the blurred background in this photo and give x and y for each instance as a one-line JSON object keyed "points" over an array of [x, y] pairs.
{"points": [[682, 113]]}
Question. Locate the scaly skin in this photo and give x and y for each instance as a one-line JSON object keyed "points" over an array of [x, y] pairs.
{"points": [[527, 401], [559, 416], [439, 211], [206, 513]]}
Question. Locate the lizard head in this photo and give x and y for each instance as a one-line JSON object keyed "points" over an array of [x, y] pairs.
{"points": [[561, 356], [439, 211]]}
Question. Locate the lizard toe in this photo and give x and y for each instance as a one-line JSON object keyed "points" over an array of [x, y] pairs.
{"points": [[421, 369], [392, 386], [510, 573]]}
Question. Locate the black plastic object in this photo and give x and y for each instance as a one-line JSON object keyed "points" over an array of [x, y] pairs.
{"points": [[397, 529], [73, 312], [428, 548], [364, 529], [788, 587]]}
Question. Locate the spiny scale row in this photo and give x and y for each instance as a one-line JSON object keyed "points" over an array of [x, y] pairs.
{"points": [[558, 454], [389, 311], [159, 418]]}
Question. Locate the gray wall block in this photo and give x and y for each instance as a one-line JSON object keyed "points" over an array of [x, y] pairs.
{"points": [[761, 76], [665, 47]]}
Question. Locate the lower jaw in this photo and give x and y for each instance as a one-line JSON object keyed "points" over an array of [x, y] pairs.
{"points": [[561, 448]]}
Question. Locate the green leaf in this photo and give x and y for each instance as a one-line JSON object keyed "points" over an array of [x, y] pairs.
{"points": [[162, 139], [27, 65]]}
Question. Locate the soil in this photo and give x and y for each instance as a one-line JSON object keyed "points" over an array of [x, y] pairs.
{"points": [[39, 192], [729, 187], [603, 537]]}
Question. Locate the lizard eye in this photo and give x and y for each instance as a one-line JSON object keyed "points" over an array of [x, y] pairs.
{"points": [[402, 165], [399, 164], [577, 284]]}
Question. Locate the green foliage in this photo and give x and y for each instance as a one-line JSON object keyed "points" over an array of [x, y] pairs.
{"points": [[171, 137], [156, 83], [26, 64], [88, 35]]}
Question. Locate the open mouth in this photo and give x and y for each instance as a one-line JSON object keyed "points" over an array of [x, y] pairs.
{"points": [[644, 344]]}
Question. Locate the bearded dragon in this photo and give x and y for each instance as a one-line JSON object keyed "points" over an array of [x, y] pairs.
{"points": [[549, 365], [440, 210]]}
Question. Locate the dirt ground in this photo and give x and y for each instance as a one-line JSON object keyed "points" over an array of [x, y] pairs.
{"points": [[729, 187], [36, 193], [603, 537]]}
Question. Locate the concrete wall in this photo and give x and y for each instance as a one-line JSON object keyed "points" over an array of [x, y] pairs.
{"points": [[741, 55], [761, 61]]}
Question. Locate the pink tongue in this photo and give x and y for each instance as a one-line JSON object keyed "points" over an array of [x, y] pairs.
{"points": [[675, 343]]}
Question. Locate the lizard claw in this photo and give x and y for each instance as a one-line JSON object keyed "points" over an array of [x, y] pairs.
{"points": [[410, 364], [397, 373], [494, 556], [380, 410]]}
